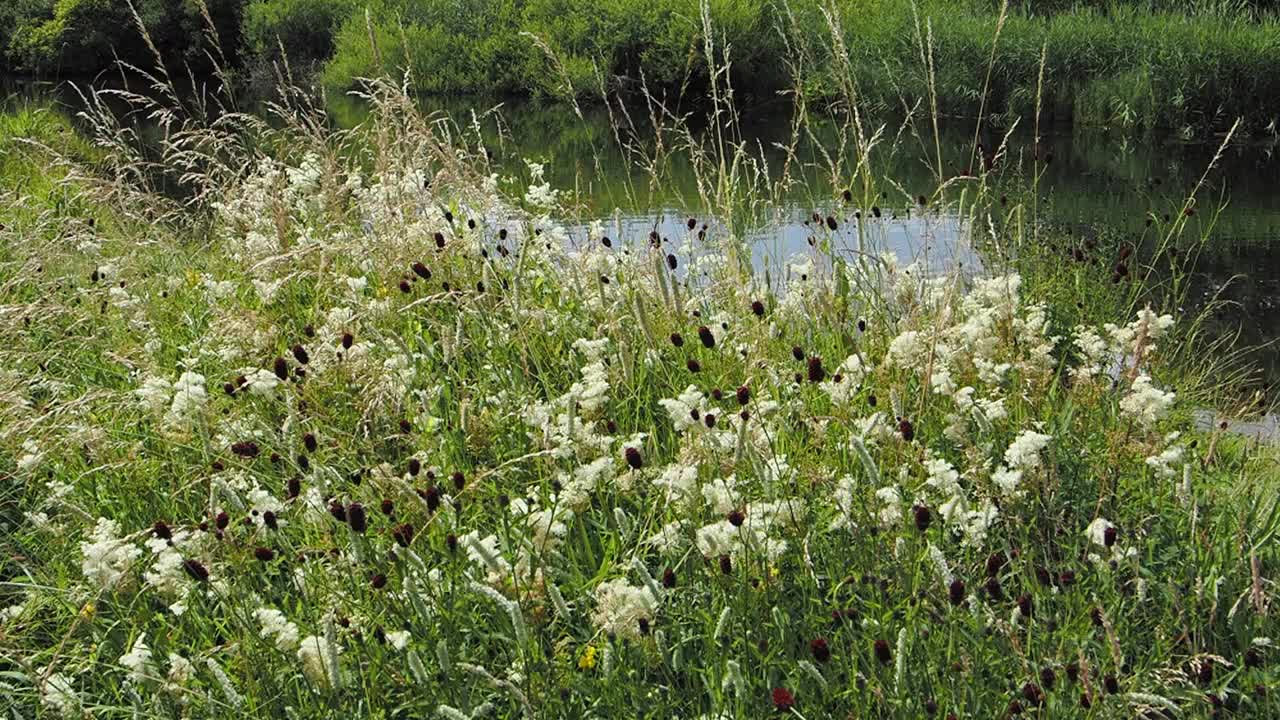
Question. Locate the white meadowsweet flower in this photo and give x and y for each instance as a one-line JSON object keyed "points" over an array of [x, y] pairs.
{"points": [[907, 350], [107, 558], [891, 513], [261, 382], [277, 627], [189, 398], [138, 662], [1146, 402], [1097, 531], [1024, 452], [399, 639], [59, 696], [620, 608], [316, 655], [1006, 479]]}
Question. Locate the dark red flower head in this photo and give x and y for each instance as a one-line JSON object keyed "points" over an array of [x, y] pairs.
{"points": [[820, 650], [923, 517], [708, 340], [816, 373], [634, 459], [783, 700], [883, 654], [356, 517], [196, 570]]}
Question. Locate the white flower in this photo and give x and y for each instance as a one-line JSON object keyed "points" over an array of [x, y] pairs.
{"points": [[261, 382], [106, 559], [891, 513], [138, 661], [56, 694], [1024, 452], [907, 350], [1007, 480], [942, 476], [315, 654], [155, 393], [277, 627], [1097, 531], [716, 539], [1145, 401], [621, 606], [189, 397], [399, 639]]}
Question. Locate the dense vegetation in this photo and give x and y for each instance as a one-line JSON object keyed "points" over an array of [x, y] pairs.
{"points": [[1191, 67], [356, 427]]}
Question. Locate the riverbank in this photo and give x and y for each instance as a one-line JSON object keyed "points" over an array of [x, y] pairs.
{"points": [[344, 430], [1189, 70]]}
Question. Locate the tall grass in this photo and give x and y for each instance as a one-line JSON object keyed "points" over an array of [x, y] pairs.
{"points": [[354, 426]]}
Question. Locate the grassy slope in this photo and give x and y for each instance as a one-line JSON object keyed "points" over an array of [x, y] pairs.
{"points": [[82, 344]]}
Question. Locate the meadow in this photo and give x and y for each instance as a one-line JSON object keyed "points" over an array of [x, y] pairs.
{"points": [[306, 422]]}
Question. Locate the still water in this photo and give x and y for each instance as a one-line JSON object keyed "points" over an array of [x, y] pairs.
{"points": [[1092, 181]]}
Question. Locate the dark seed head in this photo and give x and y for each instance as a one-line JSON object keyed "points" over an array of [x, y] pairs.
{"points": [[668, 578], [743, 394], [955, 592], [265, 554], [757, 308], [708, 340], [820, 650], [736, 518], [816, 373], [300, 354], [196, 570], [677, 340], [994, 591], [309, 442], [1109, 536], [906, 429], [459, 480], [797, 352], [281, 368], [347, 340], [440, 240], [1112, 684], [378, 581], [882, 652], [356, 517], [693, 365], [403, 534], [923, 517], [162, 531], [421, 271], [831, 223], [634, 458], [726, 565]]}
